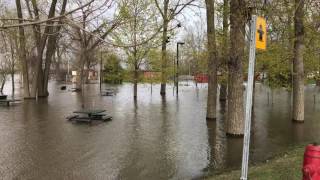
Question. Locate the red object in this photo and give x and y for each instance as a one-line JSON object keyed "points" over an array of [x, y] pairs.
{"points": [[201, 78], [311, 163]]}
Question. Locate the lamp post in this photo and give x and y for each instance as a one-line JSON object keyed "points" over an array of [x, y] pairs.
{"points": [[177, 70]]}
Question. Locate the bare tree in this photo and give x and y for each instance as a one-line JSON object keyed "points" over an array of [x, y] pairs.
{"points": [[88, 35], [141, 31], [168, 10], [22, 52]]}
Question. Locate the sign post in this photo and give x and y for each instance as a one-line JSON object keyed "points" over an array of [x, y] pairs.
{"points": [[258, 36]]}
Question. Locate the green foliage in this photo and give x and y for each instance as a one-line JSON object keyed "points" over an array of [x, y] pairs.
{"points": [[276, 63], [113, 72]]}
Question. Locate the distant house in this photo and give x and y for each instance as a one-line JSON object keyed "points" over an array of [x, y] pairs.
{"points": [[151, 74], [201, 78]]}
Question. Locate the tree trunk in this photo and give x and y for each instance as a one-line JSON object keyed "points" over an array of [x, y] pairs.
{"points": [[12, 67], [3, 83], [42, 92], [212, 62], [51, 49], [298, 73], [81, 81], [235, 123], [135, 54], [13, 44], [87, 71], [135, 83], [57, 68], [164, 61], [224, 58], [37, 75], [223, 91], [37, 88], [22, 53]]}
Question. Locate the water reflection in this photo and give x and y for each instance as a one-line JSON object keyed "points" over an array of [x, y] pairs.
{"points": [[152, 138]]}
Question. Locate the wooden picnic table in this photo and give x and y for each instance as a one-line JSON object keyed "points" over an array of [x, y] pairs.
{"points": [[90, 114]]}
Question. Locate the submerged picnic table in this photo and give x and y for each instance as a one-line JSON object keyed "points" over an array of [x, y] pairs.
{"points": [[8, 101], [87, 115], [108, 92]]}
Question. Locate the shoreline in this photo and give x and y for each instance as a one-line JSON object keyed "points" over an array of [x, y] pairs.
{"points": [[287, 165]]}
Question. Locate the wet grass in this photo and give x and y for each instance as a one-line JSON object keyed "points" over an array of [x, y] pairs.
{"points": [[286, 166]]}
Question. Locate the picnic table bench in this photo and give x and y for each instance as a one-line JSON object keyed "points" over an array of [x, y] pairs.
{"points": [[89, 115], [8, 101]]}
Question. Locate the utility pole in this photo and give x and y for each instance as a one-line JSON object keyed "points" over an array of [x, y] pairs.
{"points": [[177, 70]]}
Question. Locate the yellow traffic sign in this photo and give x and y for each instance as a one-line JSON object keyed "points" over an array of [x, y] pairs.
{"points": [[261, 33]]}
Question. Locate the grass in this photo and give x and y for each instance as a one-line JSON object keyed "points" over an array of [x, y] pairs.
{"points": [[286, 166]]}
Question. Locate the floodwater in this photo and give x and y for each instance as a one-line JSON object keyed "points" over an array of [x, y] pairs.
{"points": [[153, 138]]}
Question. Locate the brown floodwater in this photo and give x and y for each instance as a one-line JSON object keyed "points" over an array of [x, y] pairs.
{"points": [[153, 138]]}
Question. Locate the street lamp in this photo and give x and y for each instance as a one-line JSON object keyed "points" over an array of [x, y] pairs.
{"points": [[177, 72]]}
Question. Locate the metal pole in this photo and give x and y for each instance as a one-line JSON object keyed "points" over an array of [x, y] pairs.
{"points": [[246, 140], [177, 71]]}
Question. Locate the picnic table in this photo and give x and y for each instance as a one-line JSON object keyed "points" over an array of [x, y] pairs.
{"points": [[108, 92], [87, 115]]}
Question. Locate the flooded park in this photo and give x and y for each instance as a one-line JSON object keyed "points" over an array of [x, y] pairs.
{"points": [[152, 138], [159, 89]]}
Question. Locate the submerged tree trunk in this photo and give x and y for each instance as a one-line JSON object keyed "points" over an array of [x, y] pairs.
{"points": [[22, 52], [38, 88], [235, 123], [81, 80], [223, 91], [57, 60], [298, 73], [3, 81], [12, 66], [212, 62], [135, 83], [164, 61], [224, 58]]}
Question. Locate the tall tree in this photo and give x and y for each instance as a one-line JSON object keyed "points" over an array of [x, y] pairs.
{"points": [[212, 61], [168, 10], [298, 71], [140, 32], [40, 40], [235, 123]]}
